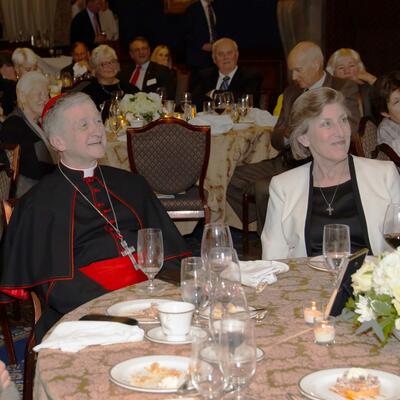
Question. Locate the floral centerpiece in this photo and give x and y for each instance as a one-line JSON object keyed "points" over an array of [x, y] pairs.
{"points": [[376, 302], [142, 105]]}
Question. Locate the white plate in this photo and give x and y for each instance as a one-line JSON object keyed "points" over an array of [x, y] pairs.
{"points": [[319, 264], [121, 374], [242, 125], [205, 312], [209, 355], [128, 309], [316, 386], [157, 335]]}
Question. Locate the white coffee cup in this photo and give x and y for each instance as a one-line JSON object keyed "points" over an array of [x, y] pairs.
{"points": [[175, 318]]}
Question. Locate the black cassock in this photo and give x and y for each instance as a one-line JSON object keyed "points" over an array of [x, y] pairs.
{"points": [[58, 244]]}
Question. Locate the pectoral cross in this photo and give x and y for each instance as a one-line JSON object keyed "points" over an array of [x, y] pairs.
{"points": [[128, 252], [329, 209]]}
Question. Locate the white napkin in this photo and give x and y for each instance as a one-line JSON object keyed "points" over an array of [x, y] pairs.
{"points": [[79, 69], [255, 272], [219, 123], [73, 336], [261, 117]]}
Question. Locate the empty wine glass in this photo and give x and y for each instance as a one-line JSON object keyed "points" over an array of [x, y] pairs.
{"points": [[243, 106], [207, 377], [150, 252], [215, 234], [336, 247], [193, 283], [162, 92], [208, 107], [237, 352], [223, 262], [249, 98], [391, 225], [229, 98]]}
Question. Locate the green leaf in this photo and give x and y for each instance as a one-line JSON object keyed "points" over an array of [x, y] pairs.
{"points": [[381, 307]]}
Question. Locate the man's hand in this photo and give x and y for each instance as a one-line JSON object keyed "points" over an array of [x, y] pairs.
{"points": [[100, 38], [366, 77], [207, 47]]}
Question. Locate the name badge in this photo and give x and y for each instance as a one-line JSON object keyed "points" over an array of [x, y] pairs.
{"points": [[151, 82]]}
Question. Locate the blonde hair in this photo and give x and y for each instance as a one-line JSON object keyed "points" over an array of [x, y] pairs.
{"points": [[307, 107], [343, 52], [157, 50], [24, 56]]}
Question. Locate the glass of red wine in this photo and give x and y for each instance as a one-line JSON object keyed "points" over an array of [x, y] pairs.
{"points": [[391, 225], [219, 101]]}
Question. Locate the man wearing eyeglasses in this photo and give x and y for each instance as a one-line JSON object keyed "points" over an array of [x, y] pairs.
{"points": [[145, 75]]}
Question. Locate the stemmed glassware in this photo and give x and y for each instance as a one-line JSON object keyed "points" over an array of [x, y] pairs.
{"points": [[391, 225], [243, 106], [237, 352], [229, 99], [223, 263], [162, 92], [150, 252], [219, 101], [336, 247], [215, 235], [193, 283]]}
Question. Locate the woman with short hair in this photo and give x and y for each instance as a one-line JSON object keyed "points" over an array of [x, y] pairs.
{"points": [[22, 127], [24, 60], [334, 188]]}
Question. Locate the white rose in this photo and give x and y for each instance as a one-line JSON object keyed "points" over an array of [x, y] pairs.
{"points": [[362, 279], [363, 308], [386, 276]]}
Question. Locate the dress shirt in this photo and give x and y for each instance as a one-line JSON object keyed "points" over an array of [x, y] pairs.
{"points": [[143, 70], [221, 77], [94, 21], [319, 83], [389, 133], [206, 7]]}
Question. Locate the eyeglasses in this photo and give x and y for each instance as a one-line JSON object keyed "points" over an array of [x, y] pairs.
{"points": [[108, 63]]}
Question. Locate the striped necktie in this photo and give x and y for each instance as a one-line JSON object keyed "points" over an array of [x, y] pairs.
{"points": [[225, 83]]}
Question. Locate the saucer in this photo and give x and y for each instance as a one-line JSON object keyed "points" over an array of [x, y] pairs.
{"points": [[157, 335]]}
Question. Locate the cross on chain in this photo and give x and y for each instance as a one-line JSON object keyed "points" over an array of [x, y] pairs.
{"points": [[329, 209], [128, 252]]}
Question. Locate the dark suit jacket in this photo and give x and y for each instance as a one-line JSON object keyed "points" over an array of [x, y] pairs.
{"points": [[156, 76], [242, 83], [69, 68], [196, 34], [82, 29], [349, 90]]}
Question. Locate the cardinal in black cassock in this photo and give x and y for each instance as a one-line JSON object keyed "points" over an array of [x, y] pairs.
{"points": [[65, 238]]}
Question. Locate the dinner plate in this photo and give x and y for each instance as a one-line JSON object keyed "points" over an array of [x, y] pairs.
{"points": [[128, 309], [208, 354], [157, 335], [205, 312], [319, 264], [316, 386], [242, 125], [122, 373]]}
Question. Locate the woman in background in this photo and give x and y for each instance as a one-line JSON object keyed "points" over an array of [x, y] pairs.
{"points": [[24, 60]]}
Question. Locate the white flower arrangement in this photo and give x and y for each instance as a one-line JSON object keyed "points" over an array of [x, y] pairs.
{"points": [[376, 303], [145, 105]]}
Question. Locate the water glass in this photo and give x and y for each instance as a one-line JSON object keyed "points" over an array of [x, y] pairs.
{"points": [[162, 92], [150, 252], [223, 263], [208, 107], [169, 106], [215, 235], [249, 98], [391, 225]]}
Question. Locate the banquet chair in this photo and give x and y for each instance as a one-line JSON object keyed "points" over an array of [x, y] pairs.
{"points": [[30, 355], [363, 143], [172, 156], [385, 152]]}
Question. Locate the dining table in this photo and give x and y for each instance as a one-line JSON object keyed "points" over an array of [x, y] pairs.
{"points": [[243, 144], [287, 342]]}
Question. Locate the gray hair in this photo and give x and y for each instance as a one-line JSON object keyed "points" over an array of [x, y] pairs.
{"points": [[26, 83], [344, 52], [222, 41], [100, 53], [24, 55], [306, 108], [54, 118]]}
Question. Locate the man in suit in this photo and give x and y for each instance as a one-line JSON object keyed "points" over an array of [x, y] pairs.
{"points": [[145, 75], [200, 33], [86, 28], [225, 76], [80, 55], [306, 65]]}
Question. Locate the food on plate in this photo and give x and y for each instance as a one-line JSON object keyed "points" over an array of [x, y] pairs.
{"points": [[357, 384], [230, 308], [156, 376], [148, 313]]}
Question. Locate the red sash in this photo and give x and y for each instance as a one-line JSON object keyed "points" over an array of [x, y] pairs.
{"points": [[114, 273]]}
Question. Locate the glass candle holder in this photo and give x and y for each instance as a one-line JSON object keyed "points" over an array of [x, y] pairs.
{"points": [[311, 312], [324, 331]]}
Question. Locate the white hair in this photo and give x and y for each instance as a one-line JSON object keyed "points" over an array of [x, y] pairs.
{"points": [[26, 83], [100, 53], [344, 52], [24, 55]]}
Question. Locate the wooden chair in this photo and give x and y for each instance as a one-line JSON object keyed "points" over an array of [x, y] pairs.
{"points": [[364, 143], [173, 155], [30, 355]]}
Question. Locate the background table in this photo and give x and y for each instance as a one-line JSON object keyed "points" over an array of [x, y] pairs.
{"points": [[290, 352], [234, 148]]}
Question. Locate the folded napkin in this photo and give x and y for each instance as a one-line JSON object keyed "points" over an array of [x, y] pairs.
{"points": [[255, 272], [79, 69], [76, 335], [261, 117], [219, 123]]}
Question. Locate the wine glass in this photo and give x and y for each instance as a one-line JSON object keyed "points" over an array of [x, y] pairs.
{"points": [[223, 262], [391, 225], [249, 98], [336, 247], [229, 100], [206, 376], [193, 283], [215, 234], [150, 252], [162, 92], [243, 106], [186, 99], [208, 107], [219, 101], [237, 352]]}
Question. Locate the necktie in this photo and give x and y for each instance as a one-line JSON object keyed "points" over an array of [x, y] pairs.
{"points": [[135, 75], [225, 83], [96, 25], [211, 21]]}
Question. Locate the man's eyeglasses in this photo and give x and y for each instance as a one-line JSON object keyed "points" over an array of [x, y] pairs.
{"points": [[108, 63]]}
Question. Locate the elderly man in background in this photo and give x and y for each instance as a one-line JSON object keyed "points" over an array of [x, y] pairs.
{"points": [[145, 75], [225, 75], [72, 237], [80, 61], [85, 27]]}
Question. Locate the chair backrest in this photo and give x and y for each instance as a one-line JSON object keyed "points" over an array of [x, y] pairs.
{"points": [[368, 137], [385, 152], [170, 153]]}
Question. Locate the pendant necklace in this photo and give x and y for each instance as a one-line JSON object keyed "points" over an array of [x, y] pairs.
{"points": [[128, 250]]}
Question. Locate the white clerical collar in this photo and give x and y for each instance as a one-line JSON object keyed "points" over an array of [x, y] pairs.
{"points": [[222, 76], [319, 83], [87, 172]]}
